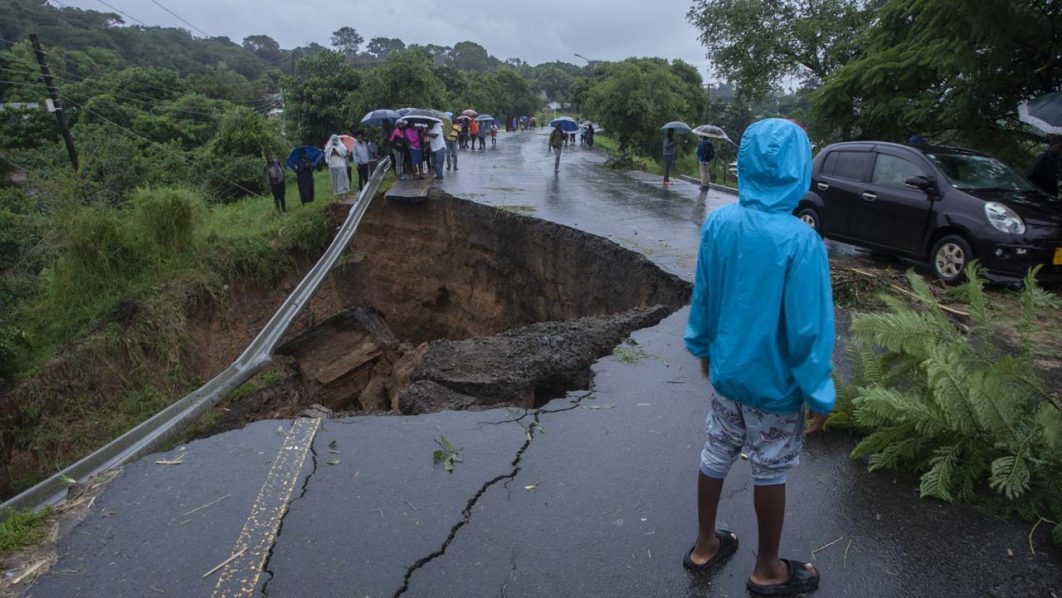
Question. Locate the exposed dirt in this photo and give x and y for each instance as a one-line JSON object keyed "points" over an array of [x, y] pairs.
{"points": [[457, 305]]}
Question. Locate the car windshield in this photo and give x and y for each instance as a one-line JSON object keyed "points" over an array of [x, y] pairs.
{"points": [[979, 173]]}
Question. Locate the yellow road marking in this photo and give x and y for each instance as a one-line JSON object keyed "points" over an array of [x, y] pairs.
{"points": [[240, 576]]}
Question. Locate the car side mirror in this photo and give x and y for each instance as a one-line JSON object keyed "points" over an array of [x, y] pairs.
{"points": [[919, 182]]}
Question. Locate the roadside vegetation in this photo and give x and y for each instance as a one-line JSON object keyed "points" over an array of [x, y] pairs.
{"points": [[21, 529], [957, 394]]}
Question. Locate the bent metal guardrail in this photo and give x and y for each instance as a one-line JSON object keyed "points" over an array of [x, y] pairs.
{"points": [[152, 434]]}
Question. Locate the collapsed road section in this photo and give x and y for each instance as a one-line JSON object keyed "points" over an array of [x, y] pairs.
{"points": [[451, 304]]}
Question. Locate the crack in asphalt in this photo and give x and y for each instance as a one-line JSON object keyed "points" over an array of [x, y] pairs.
{"points": [[466, 513], [287, 509]]}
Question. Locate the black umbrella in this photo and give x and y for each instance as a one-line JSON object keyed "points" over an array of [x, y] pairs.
{"points": [[1044, 113]]}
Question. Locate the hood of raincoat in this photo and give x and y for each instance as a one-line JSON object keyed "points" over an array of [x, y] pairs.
{"points": [[774, 166], [335, 143], [762, 307]]}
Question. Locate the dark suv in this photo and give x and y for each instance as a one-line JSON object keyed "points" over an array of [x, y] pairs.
{"points": [[941, 204]]}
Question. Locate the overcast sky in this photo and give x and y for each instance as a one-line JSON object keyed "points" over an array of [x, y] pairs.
{"points": [[538, 31]]}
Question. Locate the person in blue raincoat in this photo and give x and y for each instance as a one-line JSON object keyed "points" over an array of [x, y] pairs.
{"points": [[761, 322]]}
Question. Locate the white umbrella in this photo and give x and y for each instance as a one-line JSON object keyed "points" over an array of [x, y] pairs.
{"points": [[712, 132], [1044, 113]]}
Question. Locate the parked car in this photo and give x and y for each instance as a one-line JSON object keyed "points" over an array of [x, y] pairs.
{"points": [[943, 205]]}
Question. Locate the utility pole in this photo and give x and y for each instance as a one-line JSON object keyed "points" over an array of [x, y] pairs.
{"points": [[46, 76]]}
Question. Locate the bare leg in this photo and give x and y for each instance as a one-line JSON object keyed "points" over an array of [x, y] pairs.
{"points": [[708, 493], [770, 515]]}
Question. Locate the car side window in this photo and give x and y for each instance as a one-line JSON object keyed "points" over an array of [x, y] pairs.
{"points": [[892, 171], [850, 165]]}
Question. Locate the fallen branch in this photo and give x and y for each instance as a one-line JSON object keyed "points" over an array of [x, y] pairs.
{"points": [[825, 546], [1033, 531], [950, 310], [33, 569], [225, 562]]}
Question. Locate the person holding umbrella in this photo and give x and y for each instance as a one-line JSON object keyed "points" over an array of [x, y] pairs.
{"points": [[274, 172], [336, 158], [399, 146], [556, 141], [1043, 172], [705, 153], [670, 149], [304, 176]]}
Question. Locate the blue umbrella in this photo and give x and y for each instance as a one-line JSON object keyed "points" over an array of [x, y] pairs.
{"points": [[677, 125], [486, 118], [376, 117], [405, 111], [313, 153], [567, 124]]}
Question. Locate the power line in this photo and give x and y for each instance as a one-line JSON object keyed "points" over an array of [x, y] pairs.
{"points": [[153, 142], [179, 17], [123, 13]]}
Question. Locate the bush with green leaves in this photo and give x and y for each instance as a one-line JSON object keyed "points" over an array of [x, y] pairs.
{"points": [[961, 404]]}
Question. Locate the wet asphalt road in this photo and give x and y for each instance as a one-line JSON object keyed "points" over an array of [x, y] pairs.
{"points": [[593, 495]]}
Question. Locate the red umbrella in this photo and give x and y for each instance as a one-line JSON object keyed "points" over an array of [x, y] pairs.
{"points": [[347, 141], [470, 113]]}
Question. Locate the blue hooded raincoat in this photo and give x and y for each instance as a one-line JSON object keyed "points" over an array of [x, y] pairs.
{"points": [[762, 310]]}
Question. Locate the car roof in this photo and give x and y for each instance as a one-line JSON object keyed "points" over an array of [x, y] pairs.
{"points": [[925, 149]]}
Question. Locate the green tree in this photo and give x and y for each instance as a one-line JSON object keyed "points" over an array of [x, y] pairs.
{"points": [[234, 159], [317, 100], [633, 98], [470, 56], [405, 79], [949, 70], [347, 40], [380, 47], [759, 43]]}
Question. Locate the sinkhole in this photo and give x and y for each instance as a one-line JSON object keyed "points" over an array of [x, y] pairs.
{"points": [[453, 304]]}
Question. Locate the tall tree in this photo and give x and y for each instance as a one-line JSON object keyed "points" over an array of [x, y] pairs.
{"points": [[406, 79], [347, 40], [317, 99], [951, 70], [760, 43], [380, 47], [470, 56]]}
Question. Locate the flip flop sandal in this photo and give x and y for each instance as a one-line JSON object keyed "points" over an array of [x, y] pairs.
{"points": [[800, 581], [728, 545]]}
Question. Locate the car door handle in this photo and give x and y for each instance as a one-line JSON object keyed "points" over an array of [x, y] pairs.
{"points": [[869, 196], [822, 186]]}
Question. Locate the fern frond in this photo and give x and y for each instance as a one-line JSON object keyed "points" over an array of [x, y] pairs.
{"points": [[938, 481], [1010, 476], [949, 388], [1049, 421], [908, 332], [878, 406]]}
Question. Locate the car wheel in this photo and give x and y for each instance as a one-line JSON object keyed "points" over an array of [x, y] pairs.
{"points": [[809, 217], [949, 258]]}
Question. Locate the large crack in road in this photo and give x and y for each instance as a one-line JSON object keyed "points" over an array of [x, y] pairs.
{"points": [[466, 513]]}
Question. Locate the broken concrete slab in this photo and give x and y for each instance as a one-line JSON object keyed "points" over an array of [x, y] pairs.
{"points": [[384, 505], [158, 528], [523, 367]]}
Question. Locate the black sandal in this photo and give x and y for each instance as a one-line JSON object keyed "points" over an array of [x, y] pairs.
{"points": [[728, 545], [800, 581]]}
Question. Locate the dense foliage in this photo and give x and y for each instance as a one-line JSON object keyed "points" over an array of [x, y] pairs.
{"points": [[962, 405]]}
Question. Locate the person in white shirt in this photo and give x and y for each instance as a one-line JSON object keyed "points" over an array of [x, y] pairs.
{"points": [[438, 149], [336, 158], [363, 152]]}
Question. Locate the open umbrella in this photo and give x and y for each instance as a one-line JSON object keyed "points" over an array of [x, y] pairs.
{"points": [[462, 117], [470, 113], [314, 154], [415, 119], [348, 141], [677, 125], [377, 117], [712, 132], [567, 124], [404, 111], [1044, 113], [486, 118]]}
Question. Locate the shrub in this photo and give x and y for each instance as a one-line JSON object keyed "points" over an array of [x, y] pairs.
{"points": [[167, 218], [962, 405]]}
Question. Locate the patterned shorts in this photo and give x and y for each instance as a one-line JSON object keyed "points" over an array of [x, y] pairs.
{"points": [[772, 441]]}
